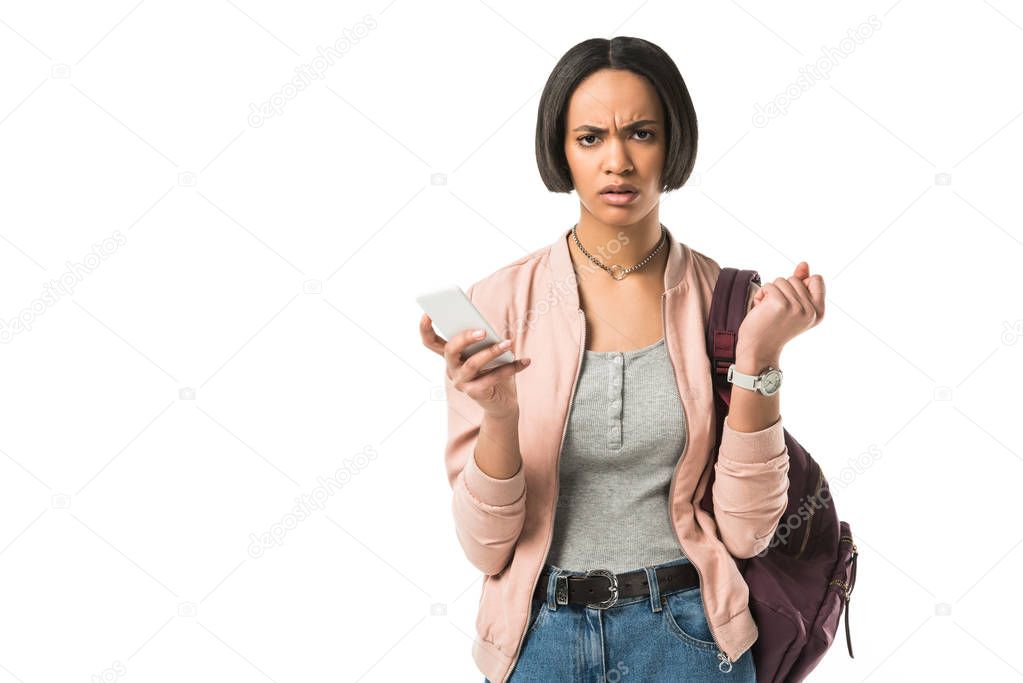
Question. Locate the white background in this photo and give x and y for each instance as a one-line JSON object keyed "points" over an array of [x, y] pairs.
{"points": [[251, 329]]}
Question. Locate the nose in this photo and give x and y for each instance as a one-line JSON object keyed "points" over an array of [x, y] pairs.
{"points": [[617, 160]]}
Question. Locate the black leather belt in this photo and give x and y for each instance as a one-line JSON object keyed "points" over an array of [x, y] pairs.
{"points": [[602, 588]]}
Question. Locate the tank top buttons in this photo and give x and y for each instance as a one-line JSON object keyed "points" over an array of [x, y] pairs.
{"points": [[615, 391]]}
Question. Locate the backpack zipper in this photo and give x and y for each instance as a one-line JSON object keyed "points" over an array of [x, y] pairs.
{"points": [[557, 487], [813, 509], [847, 591], [722, 656], [846, 588]]}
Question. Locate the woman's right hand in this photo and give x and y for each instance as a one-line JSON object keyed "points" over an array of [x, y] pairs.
{"points": [[493, 390]]}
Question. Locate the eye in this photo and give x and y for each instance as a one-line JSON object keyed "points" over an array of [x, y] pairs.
{"points": [[648, 133]]}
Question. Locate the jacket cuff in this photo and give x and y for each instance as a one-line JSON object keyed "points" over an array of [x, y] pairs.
{"points": [[753, 447], [491, 490]]}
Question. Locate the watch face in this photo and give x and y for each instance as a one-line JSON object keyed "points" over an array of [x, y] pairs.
{"points": [[771, 382]]}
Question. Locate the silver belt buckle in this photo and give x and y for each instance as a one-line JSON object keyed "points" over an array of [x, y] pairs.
{"points": [[613, 580]]}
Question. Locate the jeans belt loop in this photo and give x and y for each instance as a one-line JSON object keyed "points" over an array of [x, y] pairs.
{"points": [[655, 588]]}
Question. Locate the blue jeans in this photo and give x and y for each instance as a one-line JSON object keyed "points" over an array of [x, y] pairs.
{"points": [[649, 638]]}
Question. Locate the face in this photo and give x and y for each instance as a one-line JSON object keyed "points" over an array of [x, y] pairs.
{"points": [[614, 134]]}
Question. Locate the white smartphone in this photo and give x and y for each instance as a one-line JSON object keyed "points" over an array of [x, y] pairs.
{"points": [[452, 312]]}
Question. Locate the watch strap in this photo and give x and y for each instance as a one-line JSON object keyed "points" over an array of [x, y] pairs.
{"points": [[741, 379]]}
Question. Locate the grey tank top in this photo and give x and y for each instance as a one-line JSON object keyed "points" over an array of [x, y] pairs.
{"points": [[625, 434]]}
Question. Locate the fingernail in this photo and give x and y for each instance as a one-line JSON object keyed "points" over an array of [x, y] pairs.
{"points": [[526, 361], [478, 333], [505, 344]]}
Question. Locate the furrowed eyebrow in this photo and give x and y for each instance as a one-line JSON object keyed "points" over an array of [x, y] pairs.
{"points": [[632, 126]]}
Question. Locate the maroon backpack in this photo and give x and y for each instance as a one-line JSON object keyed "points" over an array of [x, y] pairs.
{"points": [[801, 583]]}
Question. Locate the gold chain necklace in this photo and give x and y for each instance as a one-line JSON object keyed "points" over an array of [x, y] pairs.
{"points": [[616, 271]]}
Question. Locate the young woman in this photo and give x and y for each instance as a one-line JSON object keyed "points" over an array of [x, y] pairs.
{"points": [[576, 483]]}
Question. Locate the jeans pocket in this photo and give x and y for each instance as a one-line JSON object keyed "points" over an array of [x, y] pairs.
{"points": [[538, 609], [684, 617]]}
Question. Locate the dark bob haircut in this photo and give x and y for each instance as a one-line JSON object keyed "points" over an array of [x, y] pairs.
{"points": [[633, 54]]}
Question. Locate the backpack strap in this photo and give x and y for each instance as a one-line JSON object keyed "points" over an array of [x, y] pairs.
{"points": [[727, 310]]}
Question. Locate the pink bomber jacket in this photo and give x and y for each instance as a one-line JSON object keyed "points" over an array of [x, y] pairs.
{"points": [[505, 526]]}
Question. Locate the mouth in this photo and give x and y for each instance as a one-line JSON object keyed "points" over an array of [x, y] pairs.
{"points": [[619, 188], [619, 195]]}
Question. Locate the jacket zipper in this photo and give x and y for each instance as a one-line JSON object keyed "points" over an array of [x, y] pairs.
{"points": [[725, 665], [813, 509], [557, 486]]}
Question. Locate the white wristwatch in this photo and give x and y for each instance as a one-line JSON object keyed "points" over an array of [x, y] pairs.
{"points": [[768, 382]]}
